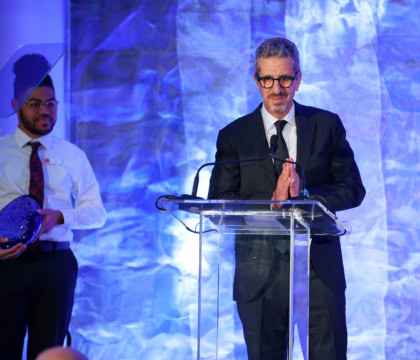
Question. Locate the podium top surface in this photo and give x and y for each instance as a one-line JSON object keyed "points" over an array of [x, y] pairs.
{"points": [[246, 215]]}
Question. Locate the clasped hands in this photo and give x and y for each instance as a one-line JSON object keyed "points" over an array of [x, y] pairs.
{"points": [[288, 184], [50, 218]]}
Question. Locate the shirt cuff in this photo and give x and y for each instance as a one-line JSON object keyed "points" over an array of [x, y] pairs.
{"points": [[68, 216]]}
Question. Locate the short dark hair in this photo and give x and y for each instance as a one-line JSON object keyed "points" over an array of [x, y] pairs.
{"points": [[31, 71], [277, 47]]}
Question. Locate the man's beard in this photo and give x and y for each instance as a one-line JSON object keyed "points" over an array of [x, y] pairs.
{"points": [[279, 109], [31, 127]]}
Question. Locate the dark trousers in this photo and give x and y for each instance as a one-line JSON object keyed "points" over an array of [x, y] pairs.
{"points": [[36, 294], [265, 320]]}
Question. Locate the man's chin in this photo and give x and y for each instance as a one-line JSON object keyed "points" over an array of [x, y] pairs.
{"points": [[42, 131], [278, 109], [45, 132]]}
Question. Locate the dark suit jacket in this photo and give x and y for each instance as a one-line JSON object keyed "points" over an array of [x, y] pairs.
{"points": [[331, 173]]}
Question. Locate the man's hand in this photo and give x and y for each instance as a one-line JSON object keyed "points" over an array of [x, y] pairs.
{"points": [[13, 252], [287, 184], [294, 182], [50, 219], [282, 188]]}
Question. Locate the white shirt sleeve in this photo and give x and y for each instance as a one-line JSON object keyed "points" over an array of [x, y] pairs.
{"points": [[88, 211]]}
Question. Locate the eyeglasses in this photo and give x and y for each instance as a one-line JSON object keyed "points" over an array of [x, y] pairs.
{"points": [[285, 81], [36, 106]]}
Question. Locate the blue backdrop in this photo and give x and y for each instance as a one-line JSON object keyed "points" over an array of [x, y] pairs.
{"points": [[153, 82]]}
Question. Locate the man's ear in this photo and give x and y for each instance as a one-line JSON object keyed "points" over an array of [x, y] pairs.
{"points": [[298, 81], [15, 105], [256, 81]]}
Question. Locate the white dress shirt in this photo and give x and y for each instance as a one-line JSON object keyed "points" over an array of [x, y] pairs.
{"points": [[69, 182], [289, 131]]}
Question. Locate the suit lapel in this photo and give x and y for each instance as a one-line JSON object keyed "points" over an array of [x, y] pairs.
{"points": [[305, 129]]}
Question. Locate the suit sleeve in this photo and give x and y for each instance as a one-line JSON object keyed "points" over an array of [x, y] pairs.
{"points": [[343, 188]]}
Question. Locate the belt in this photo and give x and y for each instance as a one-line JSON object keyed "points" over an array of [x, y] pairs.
{"points": [[53, 246]]}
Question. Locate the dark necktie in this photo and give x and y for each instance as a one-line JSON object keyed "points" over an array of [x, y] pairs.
{"points": [[283, 242], [36, 184], [282, 152]]}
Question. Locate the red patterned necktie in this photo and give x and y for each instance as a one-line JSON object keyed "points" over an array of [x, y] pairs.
{"points": [[36, 185]]}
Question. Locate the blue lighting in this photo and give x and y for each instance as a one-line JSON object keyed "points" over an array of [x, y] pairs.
{"points": [[151, 83]]}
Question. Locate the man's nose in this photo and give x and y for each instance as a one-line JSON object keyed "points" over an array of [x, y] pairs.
{"points": [[44, 109], [276, 87]]}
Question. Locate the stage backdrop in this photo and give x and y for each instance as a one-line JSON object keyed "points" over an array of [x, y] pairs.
{"points": [[152, 82]]}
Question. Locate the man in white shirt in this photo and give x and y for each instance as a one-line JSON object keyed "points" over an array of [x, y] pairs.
{"points": [[38, 280]]}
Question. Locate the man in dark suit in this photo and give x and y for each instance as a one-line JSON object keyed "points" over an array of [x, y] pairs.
{"points": [[316, 139]]}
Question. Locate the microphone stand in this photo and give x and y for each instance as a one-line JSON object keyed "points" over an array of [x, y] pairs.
{"points": [[273, 148]]}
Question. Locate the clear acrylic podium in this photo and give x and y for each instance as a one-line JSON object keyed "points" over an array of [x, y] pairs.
{"points": [[218, 223]]}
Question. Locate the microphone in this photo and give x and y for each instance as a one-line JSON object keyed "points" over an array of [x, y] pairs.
{"points": [[273, 148], [193, 196], [273, 145]]}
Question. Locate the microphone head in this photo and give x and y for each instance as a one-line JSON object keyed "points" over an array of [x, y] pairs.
{"points": [[273, 145]]}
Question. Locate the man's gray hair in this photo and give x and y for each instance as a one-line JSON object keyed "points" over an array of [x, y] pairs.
{"points": [[277, 47]]}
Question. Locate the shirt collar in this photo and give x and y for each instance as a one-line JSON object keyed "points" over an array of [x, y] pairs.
{"points": [[22, 139], [269, 119]]}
